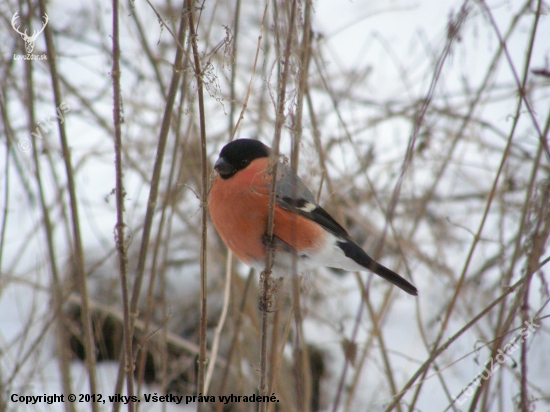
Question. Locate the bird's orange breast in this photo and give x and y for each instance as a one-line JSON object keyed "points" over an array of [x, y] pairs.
{"points": [[239, 208]]}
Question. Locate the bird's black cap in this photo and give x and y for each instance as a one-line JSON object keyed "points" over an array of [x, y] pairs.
{"points": [[238, 154]]}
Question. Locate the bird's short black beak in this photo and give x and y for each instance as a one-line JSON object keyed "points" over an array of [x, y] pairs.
{"points": [[224, 168]]}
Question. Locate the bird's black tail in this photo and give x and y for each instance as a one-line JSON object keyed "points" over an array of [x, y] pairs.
{"points": [[393, 277], [359, 256]]}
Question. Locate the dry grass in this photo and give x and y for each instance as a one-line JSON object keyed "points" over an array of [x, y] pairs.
{"points": [[431, 149]]}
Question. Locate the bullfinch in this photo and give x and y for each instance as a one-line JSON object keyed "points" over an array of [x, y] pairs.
{"points": [[304, 232]]}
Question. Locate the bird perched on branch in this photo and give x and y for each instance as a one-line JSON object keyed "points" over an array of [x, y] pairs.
{"points": [[303, 230]]}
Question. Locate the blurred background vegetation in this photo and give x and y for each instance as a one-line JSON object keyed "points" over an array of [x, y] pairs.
{"points": [[422, 127]]}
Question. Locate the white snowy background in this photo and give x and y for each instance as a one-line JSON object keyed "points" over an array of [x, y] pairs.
{"points": [[372, 66]]}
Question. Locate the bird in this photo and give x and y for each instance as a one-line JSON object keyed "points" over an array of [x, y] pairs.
{"points": [[305, 236]]}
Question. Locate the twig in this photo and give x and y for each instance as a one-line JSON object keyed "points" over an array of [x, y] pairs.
{"points": [[56, 286], [233, 65], [179, 40], [265, 277], [234, 341], [245, 103], [521, 85], [163, 237], [120, 241], [155, 182], [201, 389], [221, 323], [442, 348], [277, 354], [524, 393], [78, 251], [301, 355], [145, 44], [6, 178], [502, 325]]}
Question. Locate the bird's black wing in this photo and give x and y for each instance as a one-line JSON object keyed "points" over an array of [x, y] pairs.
{"points": [[293, 195]]}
